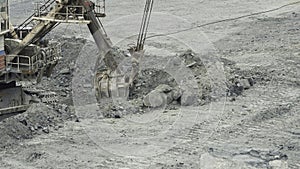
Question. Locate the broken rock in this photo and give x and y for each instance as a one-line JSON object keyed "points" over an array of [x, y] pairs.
{"points": [[245, 83], [278, 164], [176, 94], [155, 99], [162, 95], [188, 98], [65, 71], [164, 88]]}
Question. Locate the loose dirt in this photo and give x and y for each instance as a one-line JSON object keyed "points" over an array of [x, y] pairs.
{"points": [[253, 124]]}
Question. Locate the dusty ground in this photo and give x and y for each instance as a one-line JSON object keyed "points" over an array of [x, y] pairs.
{"points": [[257, 128]]}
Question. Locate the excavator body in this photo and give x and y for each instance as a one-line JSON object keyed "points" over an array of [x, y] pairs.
{"points": [[26, 55]]}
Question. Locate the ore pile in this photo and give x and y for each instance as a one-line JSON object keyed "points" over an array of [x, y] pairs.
{"points": [[157, 89], [39, 118]]}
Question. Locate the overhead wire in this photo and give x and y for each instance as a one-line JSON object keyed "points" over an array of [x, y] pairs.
{"points": [[224, 20]]}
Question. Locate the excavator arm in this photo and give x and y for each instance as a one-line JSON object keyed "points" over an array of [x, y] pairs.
{"points": [[96, 28], [101, 39]]}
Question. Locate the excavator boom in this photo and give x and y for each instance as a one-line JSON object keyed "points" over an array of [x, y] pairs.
{"points": [[59, 14]]}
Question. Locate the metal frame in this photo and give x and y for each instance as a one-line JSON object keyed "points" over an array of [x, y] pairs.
{"points": [[51, 54], [6, 19], [100, 8], [69, 16], [21, 67]]}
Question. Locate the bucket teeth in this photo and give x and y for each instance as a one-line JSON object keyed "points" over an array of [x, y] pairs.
{"points": [[114, 86]]}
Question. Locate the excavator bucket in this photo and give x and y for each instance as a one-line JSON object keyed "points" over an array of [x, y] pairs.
{"points": [[114, 85]]}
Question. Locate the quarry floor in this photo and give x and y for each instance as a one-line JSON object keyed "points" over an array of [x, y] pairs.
{"points": [[257, 129]]}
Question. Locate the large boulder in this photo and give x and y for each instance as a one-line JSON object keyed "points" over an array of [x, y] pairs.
{"points": [[162, 95], [155, 99]]}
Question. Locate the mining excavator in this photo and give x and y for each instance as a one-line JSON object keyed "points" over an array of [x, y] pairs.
{"points": [[26, 55]]}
